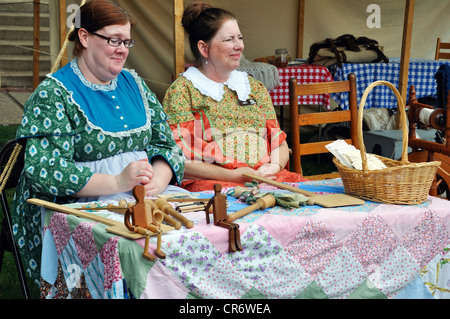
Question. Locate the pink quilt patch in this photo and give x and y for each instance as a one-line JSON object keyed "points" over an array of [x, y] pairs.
{"points": [[314, 246], [60, 230], [372, 242], [282, 228], [85, 243], [428, 238], [217, 236], [109, 254]]}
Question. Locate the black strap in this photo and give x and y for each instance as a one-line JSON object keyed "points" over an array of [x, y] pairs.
{"points": [[381, 55], [336, 52], [348, 41]]}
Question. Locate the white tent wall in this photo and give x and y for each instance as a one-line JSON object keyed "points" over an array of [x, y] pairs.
{"points": [[270, 24], [263, 30], [325, 18]]}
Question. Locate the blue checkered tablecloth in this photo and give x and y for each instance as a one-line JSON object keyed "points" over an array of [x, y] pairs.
{"points": [[421, 75]]}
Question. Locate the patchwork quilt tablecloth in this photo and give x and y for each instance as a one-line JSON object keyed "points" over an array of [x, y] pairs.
{"points": [[369, 251]]}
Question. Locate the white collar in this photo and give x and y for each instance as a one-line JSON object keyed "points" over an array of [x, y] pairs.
{"points": [[238, 82]]}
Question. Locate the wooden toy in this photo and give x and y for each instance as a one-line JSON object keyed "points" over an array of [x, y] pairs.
{"points": [[218, 203], [143, 220], [169, 210]]}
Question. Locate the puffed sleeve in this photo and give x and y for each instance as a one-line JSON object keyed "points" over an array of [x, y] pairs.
{"points": [[178, 101], [275, 136], [162, 142], [49, 153]]}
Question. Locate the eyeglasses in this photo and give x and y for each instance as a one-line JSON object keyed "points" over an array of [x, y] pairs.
{"points": [[116, 42]]}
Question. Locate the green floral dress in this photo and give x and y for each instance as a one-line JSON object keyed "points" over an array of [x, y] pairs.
{"points": [[68, 121]]}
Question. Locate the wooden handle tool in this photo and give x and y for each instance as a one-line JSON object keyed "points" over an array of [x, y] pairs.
{"points": [[72, 211], [329, 200], [264, 202], [115, 227], [188, 200], [168, 219], [169, 210]]}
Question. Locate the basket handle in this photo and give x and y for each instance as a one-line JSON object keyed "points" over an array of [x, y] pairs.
{"points": [[403, 124]]}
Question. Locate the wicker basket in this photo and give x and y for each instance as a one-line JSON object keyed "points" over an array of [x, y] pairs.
{"points": [[401, 182]]}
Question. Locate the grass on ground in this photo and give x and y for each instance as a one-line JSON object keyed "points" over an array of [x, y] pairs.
{"points": [[9, 280]]}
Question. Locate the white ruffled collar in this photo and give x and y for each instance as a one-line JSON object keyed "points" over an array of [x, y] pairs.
{"points": [[238, 82]]}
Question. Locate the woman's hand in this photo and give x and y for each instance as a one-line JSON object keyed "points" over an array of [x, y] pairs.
{"points": [[269, 170], [162, 175], [138, 172], [237, 174], [154, 177], [152, 188]]}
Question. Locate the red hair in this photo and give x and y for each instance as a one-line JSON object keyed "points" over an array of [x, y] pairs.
{"points": [[95, 15]]}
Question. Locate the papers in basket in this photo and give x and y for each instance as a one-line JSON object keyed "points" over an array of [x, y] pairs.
{"points": [[349, 156]]}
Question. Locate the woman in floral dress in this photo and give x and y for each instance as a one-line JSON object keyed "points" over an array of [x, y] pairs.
{"points": [[93, 130], [223, 119]]}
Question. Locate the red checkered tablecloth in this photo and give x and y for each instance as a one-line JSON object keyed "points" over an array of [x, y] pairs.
{"points": [[304, 74]]}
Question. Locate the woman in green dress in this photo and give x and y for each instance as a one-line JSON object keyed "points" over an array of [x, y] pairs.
{"points": [[93, 130]]}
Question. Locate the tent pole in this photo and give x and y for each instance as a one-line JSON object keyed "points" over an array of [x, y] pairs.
{"points": [[62, 29], [406, 49], [301, 26], [178, 39], [36, 42]]}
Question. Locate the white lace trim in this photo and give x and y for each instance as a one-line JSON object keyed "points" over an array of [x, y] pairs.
{"points": [[110, 87], [238, 82], [95, 87]]}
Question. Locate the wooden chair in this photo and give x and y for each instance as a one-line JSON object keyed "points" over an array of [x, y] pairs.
{"points": [[439, 46], [6, 235], [297, 119]]}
